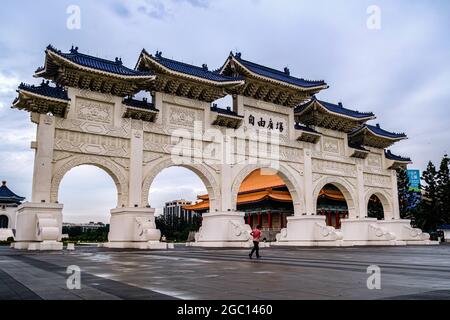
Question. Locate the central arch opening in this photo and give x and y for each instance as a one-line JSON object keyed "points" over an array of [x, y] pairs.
{"points": [[179, 197], [331, 203], [266, 200]]}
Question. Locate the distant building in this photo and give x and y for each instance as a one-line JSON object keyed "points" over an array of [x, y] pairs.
{"points": [[175, 209], [9, 201], [85, 226]]}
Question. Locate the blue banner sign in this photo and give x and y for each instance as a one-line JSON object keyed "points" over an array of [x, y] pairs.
{"points": [[414, 180]]}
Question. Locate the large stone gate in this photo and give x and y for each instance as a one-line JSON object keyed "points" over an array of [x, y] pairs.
{"points": [[87, 116]]}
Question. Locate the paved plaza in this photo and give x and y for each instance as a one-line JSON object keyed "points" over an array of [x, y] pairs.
{"points": [[417, 272]]}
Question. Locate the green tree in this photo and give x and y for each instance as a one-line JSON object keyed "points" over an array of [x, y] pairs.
{"points": [[428, 214], [443, 188], [404, 193]]}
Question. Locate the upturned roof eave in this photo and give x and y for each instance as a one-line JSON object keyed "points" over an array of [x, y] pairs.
{"points": [[52, 53], [306, 107], [150, 58], [272, 80]]}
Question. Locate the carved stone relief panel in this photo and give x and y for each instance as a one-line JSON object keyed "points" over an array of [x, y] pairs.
{"points": [[95, 111], [91, 144], [184, 117], [94, 127], [94, 95], [374, 160], [331, 145], [157, 142], [377, 181], [291, 154], [333, 167]]}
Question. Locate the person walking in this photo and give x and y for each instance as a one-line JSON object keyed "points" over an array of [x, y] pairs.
{"points": [[256, 234]]}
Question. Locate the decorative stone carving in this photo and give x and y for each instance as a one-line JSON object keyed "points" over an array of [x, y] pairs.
{"points": [[377, 181], [334, 168], [95, 128], [95, 111], [94, 95], [374, 160], [91, 144], [331, 145], [181, 116]]}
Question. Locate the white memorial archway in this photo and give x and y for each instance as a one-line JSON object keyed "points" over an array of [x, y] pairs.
{"points": [[88, 116]]}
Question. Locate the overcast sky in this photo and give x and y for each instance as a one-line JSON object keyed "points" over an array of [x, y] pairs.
{"points": [[400, 72]]}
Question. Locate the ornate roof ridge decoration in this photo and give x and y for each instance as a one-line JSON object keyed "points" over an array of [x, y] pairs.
{"points": [[7, 196], [135, 103], [42, 99], [283, 77], [226, 111], [395, 162], [374, 136], [139, 109], [45, 90], [336, 109], [271, 85], [93, 63], [306, 134], [358, 151], [225, 117], [84, 71], [331, 116], [389, 155], [186, 80]]}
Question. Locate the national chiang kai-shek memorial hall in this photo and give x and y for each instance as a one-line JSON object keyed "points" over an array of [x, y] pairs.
{"points": [[330, 163]]}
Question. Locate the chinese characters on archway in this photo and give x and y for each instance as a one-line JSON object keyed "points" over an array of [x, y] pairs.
{"points": [[269, 125]]}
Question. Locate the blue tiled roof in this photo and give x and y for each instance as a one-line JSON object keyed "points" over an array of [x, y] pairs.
{"points": [[142, 104], [283, 76], [85, 60], [226, 111], [336, 108], [44, 89], [389, 155], [377, 130], [7, 196], [200, 72], [304, 128]]}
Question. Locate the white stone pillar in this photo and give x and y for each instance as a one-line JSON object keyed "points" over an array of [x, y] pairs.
{"points": [[360, 203], [136, 160], [395, 201], [158, 104], [225, 188], [238, 104], [308, 184], [42, 174]]}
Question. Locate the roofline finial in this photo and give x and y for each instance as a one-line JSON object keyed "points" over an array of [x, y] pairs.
{"points": [[4, 183]]}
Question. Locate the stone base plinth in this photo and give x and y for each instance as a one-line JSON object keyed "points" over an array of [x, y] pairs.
{"points": [[366, 232], [134, 228], [38, 226], [38, 246], [404, 232], [308, 230], [151, 245], [5, 234], [223, 229]]}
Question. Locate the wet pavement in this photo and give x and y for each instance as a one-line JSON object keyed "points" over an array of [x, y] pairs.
{"points": [[415, 272]]}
